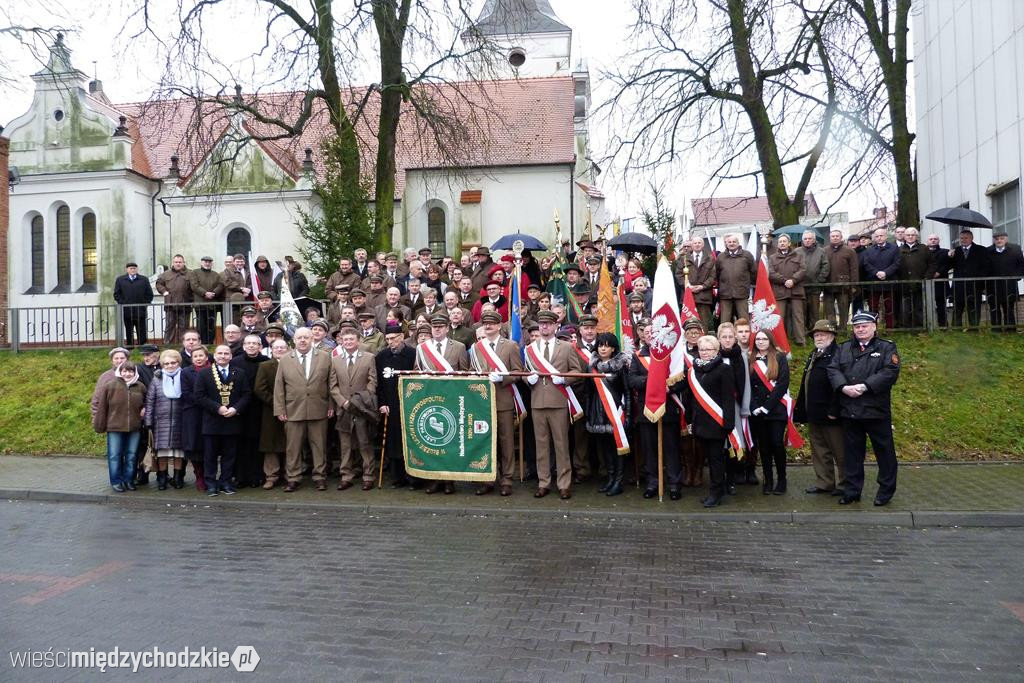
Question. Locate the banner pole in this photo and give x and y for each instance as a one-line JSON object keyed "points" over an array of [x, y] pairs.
{"points": [[661, 464], [383, 447], [522, 458]]}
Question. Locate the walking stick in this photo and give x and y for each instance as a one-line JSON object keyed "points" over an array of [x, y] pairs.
{"points": [[383, 447], [661, 465]]}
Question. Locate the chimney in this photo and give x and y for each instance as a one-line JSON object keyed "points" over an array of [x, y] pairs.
{"points": [[880, 212], [307, 164], [175, 171], [96, 87]]}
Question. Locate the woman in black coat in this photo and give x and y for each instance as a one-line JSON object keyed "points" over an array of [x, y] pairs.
{"points": [[614, 365], [248, 459], [192, 415], [711, 411], [769, 417]]}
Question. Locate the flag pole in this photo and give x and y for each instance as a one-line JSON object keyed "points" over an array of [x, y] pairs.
{"points": [[383, 446], [661, 462], [522, 457]]}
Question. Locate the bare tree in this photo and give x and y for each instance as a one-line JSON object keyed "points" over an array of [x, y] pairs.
{"points": [[26, 37], [747, 82], [316, 54]]}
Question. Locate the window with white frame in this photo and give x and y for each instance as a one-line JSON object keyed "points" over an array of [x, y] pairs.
{"points": [[1006, 211]]}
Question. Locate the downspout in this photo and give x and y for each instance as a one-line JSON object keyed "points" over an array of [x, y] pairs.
{"points": [[572, 209], [152, 220], [170, 229]]}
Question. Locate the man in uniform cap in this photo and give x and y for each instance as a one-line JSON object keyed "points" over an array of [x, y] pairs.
{"points": [[397, 355], [273, 332], [864, 370], [498, 357], [548, 404], [133, 292], [250, 321], [817, 406], [377, 290], [320, 329], [586, 347], [370, 338], [441, 354], [207, 290], [636, 308], [1005, 261]]}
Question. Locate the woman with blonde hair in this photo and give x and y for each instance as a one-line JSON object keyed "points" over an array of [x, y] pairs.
{"points": [[164, 417], [711, 411]]}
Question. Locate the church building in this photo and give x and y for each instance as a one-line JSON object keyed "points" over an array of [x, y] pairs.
{"points": [[99, 184]]}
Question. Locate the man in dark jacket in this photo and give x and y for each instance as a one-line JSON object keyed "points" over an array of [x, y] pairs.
{"points": [[969, 261], [133, 292], [173, 284], [208, 292], [248, 460], [223, 394], [938, 270], [1006, 261], [736, 274], [817, 265], [395, 356], [880, 263], [915, 263], [817, 406], [864, 370]]}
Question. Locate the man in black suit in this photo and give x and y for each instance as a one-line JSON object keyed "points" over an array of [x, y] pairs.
{"points": [[969, 261], [397, 355], [223, 393], [1005, 260], [133, 291], [938, 271]]}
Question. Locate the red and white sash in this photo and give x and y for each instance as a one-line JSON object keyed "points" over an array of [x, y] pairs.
{"points": [[484, 350], [793, 437], [612, 411], [704, 398], [432, 360], [737, 438], [537, 363]]}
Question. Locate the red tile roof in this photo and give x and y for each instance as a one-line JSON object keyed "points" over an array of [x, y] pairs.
{"points": [[506, 123], [739, 210], [471, 196]]}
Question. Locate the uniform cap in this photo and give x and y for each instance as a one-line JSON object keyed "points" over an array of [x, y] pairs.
{"points": [[863, 317], [547, 317], [492, 317], [693, 323]]}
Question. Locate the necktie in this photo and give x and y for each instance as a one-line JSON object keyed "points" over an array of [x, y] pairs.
{"points": [[439, 348], [862, 347], [493, 346], [351, 363], [224, 374], [305, 365], [547, 350]]}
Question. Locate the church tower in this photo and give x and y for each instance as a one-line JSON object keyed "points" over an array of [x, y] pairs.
{"points": [[526, 38]]}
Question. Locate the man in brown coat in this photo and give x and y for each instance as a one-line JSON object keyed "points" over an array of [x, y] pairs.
{"points": [[208, 291], [702, 279], [787, 273], [843, 268], [441, 354], [497, 357], [272, 439], [736, 272], [344, 275], [237, 285], [353, 372], [481, 268], [548, 404], [302, 403], [176, 289]]}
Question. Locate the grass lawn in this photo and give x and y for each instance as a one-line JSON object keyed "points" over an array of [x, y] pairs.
{"points": [[959, 398]]}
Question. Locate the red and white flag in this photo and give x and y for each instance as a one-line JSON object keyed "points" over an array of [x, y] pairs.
{"points": [[764, 313], [667, 364]]}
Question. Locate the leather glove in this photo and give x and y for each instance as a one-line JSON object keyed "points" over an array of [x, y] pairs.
{"points": [[495, 377], [557, 379], [532, 379]]}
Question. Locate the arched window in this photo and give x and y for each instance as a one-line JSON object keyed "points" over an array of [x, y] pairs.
{"points": [[88, 253], [239, 242], [435, 231], [38, 256], [63, 250]]}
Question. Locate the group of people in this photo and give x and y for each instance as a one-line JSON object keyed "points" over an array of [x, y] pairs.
{"points": [[271, 405]]}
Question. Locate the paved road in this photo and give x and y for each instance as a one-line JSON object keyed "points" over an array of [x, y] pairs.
{"points": [[442, 597]]}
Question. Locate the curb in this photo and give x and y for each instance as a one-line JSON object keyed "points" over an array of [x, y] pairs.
{"points": [[912, 519]]}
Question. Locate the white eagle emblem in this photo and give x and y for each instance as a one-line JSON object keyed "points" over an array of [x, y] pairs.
{"points": [[663, 335], [763, 316]]}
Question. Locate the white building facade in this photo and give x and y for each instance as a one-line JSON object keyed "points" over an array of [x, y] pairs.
{"points": [[969, 87]]}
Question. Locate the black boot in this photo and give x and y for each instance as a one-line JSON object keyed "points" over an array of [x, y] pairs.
{"points": [[178, 481], [609, 467], [619, 468], [141, 476], [161, 480]]}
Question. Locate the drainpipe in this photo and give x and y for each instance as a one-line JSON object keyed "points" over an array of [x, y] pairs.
{"points": [[152, 219], [572, 210], [170, 230]]}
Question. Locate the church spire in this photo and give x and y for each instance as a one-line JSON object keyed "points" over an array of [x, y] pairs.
{"points": [[518, 17]]}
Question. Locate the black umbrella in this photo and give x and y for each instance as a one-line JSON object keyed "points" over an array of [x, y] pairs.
{"points": [[958, 215], [529, 242], [634, 241]]}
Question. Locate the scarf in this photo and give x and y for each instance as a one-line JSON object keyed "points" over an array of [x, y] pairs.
{"points": [[129, 382], [171, 383]]}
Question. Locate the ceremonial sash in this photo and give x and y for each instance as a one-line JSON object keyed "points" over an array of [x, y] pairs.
{"points": [[736, 437], [484, 350], [611, 410], [538, 364], [436, 360], [793, 437], [704, 398]]}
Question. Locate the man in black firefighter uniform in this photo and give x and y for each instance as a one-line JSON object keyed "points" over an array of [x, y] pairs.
{"points": [[864, 371]]}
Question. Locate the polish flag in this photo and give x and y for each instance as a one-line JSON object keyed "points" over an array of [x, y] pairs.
{"points": [[667, 364], [764, 313]]}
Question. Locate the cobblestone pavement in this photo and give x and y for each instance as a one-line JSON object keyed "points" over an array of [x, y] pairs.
{"points": [[976, 487], [415, 596]]}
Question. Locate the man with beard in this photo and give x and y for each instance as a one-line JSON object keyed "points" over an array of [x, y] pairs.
{"points": [[395, 356], [817, 406]]}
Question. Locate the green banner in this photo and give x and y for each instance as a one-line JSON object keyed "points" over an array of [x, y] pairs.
{"points": [[448, 424]]}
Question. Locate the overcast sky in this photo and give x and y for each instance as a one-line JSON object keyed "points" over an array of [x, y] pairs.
{"points": [[129, 70]]}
